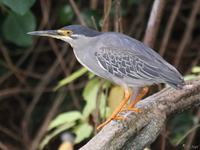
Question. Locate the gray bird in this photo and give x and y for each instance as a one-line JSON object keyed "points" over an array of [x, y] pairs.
{"points": [[118, 58]]}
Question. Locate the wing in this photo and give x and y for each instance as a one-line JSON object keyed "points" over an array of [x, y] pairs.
{"points": [[123, 63], [141, 61]]}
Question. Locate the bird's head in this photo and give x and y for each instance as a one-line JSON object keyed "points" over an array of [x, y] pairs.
{"points": [[73, 34]]}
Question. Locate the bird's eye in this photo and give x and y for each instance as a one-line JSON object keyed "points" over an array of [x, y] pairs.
{"points": [[68, 32], [65, 32]]}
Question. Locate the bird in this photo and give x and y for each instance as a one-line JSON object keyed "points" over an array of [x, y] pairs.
{"points": [[118, 58]]}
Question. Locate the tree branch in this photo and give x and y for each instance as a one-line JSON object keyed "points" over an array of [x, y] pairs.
{"points": [[140, 130]]}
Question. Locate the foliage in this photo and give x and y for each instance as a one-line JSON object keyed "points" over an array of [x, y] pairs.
{"points": [[66, 14], [80, 127], [15, 28], [71, 78], [18, 22], [21, 7], [63, 118], [195, 73], [59, 130]]}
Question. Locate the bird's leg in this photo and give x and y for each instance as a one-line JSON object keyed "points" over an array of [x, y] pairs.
{"points": [[138, 98], [117, 110], [129, 107]]}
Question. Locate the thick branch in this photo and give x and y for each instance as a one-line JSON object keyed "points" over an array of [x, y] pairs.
{"points": [[140, 130]]}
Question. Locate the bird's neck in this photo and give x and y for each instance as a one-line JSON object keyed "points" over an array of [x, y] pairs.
{"points": [[81, 42]]}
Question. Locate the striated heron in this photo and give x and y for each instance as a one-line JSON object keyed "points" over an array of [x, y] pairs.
{"points": [[118, 58]]}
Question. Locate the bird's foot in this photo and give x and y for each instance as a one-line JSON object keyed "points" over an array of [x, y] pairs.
{"points": [[120, 118], [109, 119]]}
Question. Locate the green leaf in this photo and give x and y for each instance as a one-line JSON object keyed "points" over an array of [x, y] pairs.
{"points": [[196, 69], [71, 78], [190, 76], [15, 28], [21, 7], [60, 129], [82, 131], [63, 118], [90, 95], [90, 75], [66, 14]]}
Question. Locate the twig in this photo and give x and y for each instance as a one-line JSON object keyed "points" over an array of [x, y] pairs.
{"points": [[11, 134], [94, 23], [15, 91], [93, 4], [196, 119], [142, 8], [194, 128], [117, 15], [3, 147], [107, 9], [41, 132], [21, 71], [40, 88], [72, 88], [45, 8], [187, 33], [59, 56], [154, 22], [169, 27], [11, 65], [98, 101], [196, 60], [77, 12], [163, 137]]}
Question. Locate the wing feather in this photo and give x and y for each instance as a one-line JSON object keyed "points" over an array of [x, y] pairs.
{"points": [[123, 63]]}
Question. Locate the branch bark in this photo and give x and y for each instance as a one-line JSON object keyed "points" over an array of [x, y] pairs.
{"points": [[140, 130]]}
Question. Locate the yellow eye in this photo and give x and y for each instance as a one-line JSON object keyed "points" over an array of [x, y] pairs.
{"points": [[68, 32], [65, 32]]}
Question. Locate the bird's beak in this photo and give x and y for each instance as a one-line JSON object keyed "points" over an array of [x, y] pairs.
{"points": [[49, 33]]}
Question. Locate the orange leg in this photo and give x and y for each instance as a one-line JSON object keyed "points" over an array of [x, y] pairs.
{"points": [[129, 107], [117, 110], [138, 98]]}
